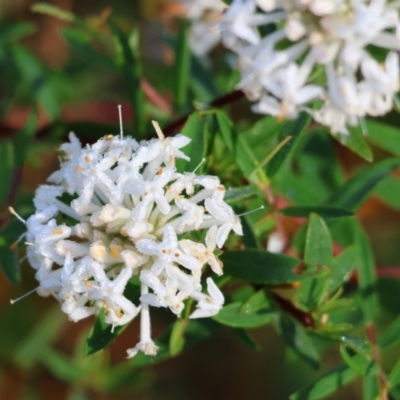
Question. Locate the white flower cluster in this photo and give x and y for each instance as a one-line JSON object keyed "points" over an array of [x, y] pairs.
{"points": [[292, 53], [114, 211]]}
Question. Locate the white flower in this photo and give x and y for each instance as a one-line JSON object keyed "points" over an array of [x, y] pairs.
{"points": [[127, 207], [314, 56], [205, 15]]}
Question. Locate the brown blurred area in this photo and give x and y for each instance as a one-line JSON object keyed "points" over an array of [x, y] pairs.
{"points": [[220, 368]]}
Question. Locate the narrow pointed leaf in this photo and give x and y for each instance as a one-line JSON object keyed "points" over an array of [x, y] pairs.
{"points": [[323, 211], [259, 266]]}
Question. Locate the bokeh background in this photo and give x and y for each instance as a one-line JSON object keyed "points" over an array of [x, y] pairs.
{"points": [[73, 83]]}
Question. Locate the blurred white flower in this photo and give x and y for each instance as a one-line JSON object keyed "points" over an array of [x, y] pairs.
{"points": [[114, 212], [314, 55]]}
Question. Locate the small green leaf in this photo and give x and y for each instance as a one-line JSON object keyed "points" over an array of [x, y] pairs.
{"points": [[256, 311], [329, 383], [244, 156], [195, 129], [361, 364], [389, 191], [177, 338], [182, 67], [391, 335], [313, 289], [370, 387], [53, 11], [351, 195], [297, 339], [42, 336], [129, 62], [318, 250], [9, 264], [383, 135], [323, 211], [245, 338], [258, 266], [293, 129], [102, 334], [233, 195], [366, 276], [342, 268], [15, 31], [60, 366], [7, 163], [394, 376], [23, 140], [355, 141]]}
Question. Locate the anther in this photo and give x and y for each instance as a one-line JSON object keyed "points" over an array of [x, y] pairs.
{"points": [[200, 164], [23, 296], [79, 168], [13, 212], [87, 159], [158, 130]]}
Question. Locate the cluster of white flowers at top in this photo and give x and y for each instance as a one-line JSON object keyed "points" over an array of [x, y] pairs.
{"points": [[295, 52], [126, 206]]}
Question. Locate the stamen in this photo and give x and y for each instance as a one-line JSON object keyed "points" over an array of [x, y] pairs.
{"points": [[121, 128], [23, 296], [13, 212], [201, 163], [158, 130], [14, 245], [249, 212]]}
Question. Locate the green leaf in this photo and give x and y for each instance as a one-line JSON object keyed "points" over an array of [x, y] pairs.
{"points": [[15, 31], [23, 140], [232, 195], [60, 366], [102, 334], [355, 141], [196, 129], [38, 78], [181, 70], [318, 250], [293, 129], [256, 311], [259, 266], [342, 268], [177, 338], [394, 376], [244, 156], [313, 289], [370, 387], [7, 163], [389, 191], [9, 264], [323, 211], [356, 190], [385, 136], [245, 338], [360, 364], [297, 339], [53, 11], [129, 62], [42, 336], [82, 48], [366, 276], [329, 383], [391, 335]]}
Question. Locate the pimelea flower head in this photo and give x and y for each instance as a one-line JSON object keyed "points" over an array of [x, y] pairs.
{"points": [[115, 210], [333, 36], [294, 53]]}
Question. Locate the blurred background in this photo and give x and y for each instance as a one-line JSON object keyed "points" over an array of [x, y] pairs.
{"points": [[55, 78]]}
